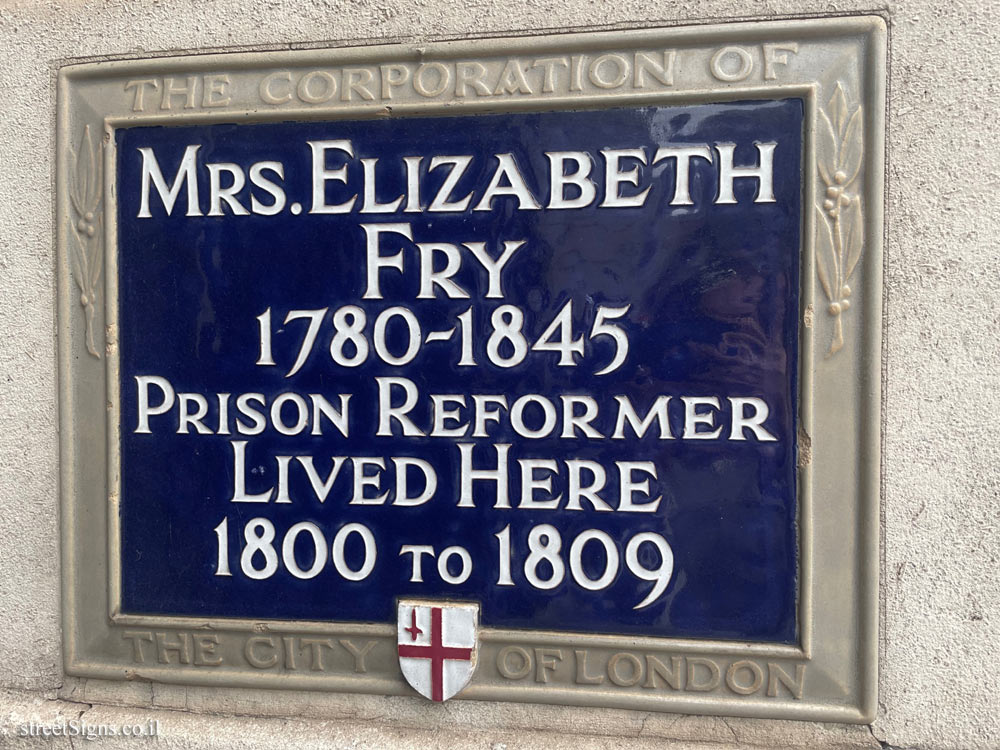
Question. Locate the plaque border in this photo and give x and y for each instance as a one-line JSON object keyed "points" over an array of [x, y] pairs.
{"points": [[91, 101]]}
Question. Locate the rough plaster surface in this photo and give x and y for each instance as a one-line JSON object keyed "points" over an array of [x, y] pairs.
{"points": [[941, 506]]}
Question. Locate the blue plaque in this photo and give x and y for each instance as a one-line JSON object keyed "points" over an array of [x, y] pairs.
{"points": [[545, 362], [541, 368]]}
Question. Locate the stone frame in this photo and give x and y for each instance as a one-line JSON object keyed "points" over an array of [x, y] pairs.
{"points": [[837, 66]]}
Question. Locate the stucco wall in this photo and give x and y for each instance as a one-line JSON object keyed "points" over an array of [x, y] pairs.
{"points": [[940, 586]]}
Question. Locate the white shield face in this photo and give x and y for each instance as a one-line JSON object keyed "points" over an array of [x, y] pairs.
{"points": [[438, 645]]}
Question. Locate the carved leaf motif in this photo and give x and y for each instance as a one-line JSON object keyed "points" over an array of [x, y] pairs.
{"points": [[838, 109], [74, 197], [840, 224], [97, 261], [97, 169], [823, 173], [824, 250], [76, 261], [827, 148], [850, 149], [78, 257], [855, 236], [86, 248], [84, 170]]}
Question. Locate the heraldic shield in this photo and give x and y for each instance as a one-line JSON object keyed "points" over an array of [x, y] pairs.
{"points": [[438, 645]]}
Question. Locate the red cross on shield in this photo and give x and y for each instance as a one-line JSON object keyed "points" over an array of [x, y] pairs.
{"points": [[438, 645]]}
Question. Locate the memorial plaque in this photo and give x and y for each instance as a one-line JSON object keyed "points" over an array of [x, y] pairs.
{"points": [[537, 369]]}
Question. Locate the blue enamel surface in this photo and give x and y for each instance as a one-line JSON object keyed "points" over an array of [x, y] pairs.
{"points": [[714, 302]]}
